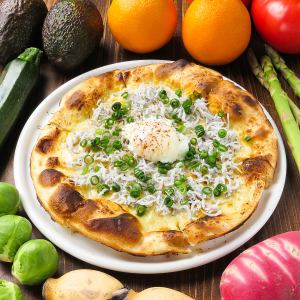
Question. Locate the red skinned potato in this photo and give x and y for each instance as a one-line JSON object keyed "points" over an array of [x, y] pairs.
{"points": [[269, 270]]}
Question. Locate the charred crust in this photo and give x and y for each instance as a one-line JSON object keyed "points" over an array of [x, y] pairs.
{"points": [[52, 162], [175, 238], [236, 109], [167, 69], [120, 77], [66, 200], [250, 100], [44, 145], [124, 227], [76, 101], [50, 177], [126, 75], [262, 133]]}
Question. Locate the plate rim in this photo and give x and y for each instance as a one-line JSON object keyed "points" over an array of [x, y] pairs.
{"points": [[128, 266]]}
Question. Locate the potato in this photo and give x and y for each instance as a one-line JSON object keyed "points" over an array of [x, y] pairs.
{"points": [[269, 270], [81, 285], [158, 293]]}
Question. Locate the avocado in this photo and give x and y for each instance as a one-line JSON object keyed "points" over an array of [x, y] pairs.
{"points": [[71, 31], [21, 23]]}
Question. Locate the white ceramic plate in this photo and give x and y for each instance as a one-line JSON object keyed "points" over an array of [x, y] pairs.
{"points": [[102, 256]]}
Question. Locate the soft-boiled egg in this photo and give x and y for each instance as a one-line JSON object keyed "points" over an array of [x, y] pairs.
{"points": [[156, 140]]}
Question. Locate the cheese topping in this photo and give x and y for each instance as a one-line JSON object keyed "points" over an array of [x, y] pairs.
{"points": [[155, 147]]}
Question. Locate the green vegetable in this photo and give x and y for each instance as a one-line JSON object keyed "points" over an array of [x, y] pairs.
{"points": [[125, 95], [199, 130], [151, 188], [178, 93], [35, 261], [115, 187], [168, 201], [141, 210], [139, 174], [109, 123], [221, 114], [117, 145], [281, 102], [88, 159], [204, 170], [187, 106], [287, 73], [10, 291], [184, 202], [9, 199], [71, 31], [83, 143], [207, 190], [116, 106], [259, 73], [193, 141], [222, 133], [16, 82], [14, 232], [130, 119], [94, 180], [104, 188], [175, 103], [163, 168], [247, 138], [130, 160], [182, 185], [163, 95], [169, 191], [217, 192], [203, 154], [135, 189]]}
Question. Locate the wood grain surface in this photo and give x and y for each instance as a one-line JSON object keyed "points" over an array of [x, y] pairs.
{"points": [[201, 282]]}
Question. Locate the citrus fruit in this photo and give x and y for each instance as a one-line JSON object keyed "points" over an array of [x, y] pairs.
{"points": [[216, 32], [142, 25]]}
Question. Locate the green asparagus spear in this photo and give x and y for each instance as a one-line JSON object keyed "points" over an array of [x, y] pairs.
{"points": [[280, 99], [287, 73], [259, 73]]}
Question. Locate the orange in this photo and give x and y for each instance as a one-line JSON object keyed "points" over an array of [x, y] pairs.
{"points": [[215, 32], [142, 25]]}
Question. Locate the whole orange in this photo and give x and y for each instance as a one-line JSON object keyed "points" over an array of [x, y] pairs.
{"points": [[142, 25], [216, 32]]}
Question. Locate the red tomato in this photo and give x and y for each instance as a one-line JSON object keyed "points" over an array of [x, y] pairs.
{"points": [[278, 22]]}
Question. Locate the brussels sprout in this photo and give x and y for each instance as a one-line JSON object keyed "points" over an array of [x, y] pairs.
{"points": [[9, 291], [9, 199], [35, 261], [14, 232]]}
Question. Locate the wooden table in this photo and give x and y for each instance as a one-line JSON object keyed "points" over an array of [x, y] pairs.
{"points": [[202, 282]]}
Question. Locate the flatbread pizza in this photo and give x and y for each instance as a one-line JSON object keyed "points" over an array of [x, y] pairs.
{"points": [[155, 159]]}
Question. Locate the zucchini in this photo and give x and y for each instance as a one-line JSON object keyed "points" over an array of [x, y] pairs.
{"points": [[16, 82]]}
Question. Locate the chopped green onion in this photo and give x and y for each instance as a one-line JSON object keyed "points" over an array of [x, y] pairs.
{"points": [[120, 164], [130, 119], [116, 106], [139, 174], [125, 95], [162, 171], [203, 154], [94, 180], [193, 141], [207, 190], [141, 210], [109, 149], [169, 191], [117, 145], [223, 148], [135, 190], [180, 128], [163, 168], [115, 187], [221, 187], [204, 170], [124, 111], [88, 159], [221, 114], [104, 142], [85, 170], [83, 143], [211, 160], [216, 192], [247, 138], [195, 95], [222, 133], [168, 201], [175, 103], [95, 141], [163, 94], [194, 165], [189, 155], [216, 143], [199, 130], [103, 187], [219, 166], [187, 106], [184, 201], [117, 115], [96, 169], [109, 123], [99, 131], [130, 160], [178, 93], [151, 188], [116, 132], [182, 185]]}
